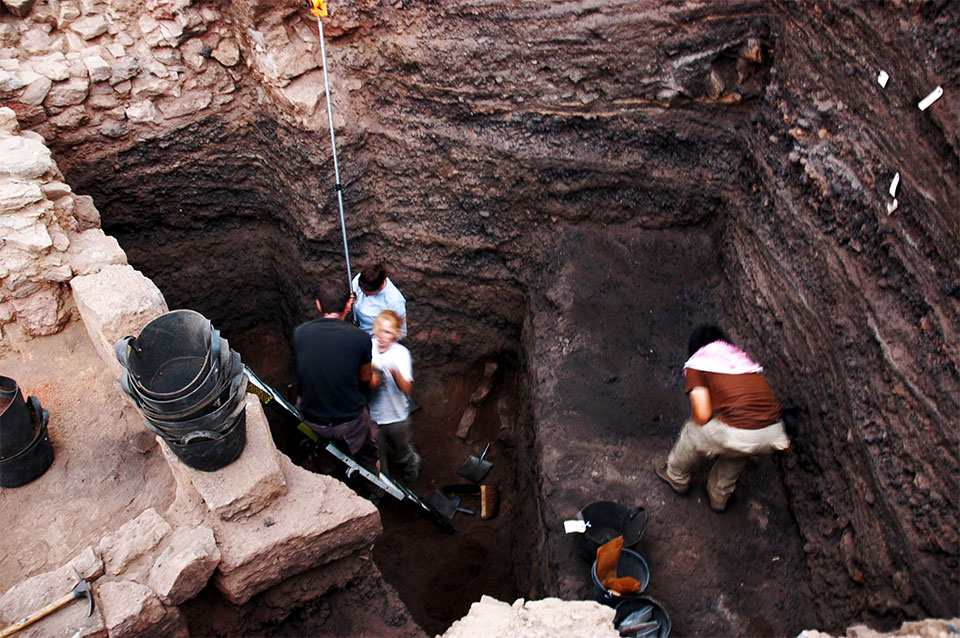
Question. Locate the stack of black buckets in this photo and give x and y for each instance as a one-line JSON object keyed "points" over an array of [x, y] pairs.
{"points": [[25, 448], [189, 386]]}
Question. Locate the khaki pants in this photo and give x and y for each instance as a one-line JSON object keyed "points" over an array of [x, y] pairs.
{"points": [[732, 447]]}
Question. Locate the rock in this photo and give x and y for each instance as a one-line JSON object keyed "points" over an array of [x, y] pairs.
{"points": [[36, 41], [104, 102], [9, 34], [547, 618], [168, 56], [10, 82], [97, 68], [85, 212], [70, 119], [90, 26], [246, 486], [185, 566], [8, 121], [35, 592], [113, 303], [36, 92], [132, 540], [113, 128], [15, 194], [188, 103], [73, 91], [25, 233], [43, 311], [123, 69], [19, 8], [143, 111], [466, 422], [318, 521], [92, 250], [227, 52], [69, 11], [56, 190], [131, 610], [150, 86], [53, 66], [172, 32], [304, 92]]}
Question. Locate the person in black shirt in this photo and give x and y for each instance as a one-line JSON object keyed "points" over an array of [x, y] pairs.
{"points": [[333, 376]]}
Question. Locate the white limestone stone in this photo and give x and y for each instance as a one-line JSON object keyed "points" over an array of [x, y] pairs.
{"points": [[115, 302], [547, 618], [131, 610], [319, 520], [56, 190], [73, 91], [8, 121], [188, 103], [10, 82], [90, 251], [85, 212], [43, 311], [97, 68], [90, 26], [15, 194], [246, 486], [185, 565], [143, 111], [227, 52], [69, 11], [53, 66], [123, 69], [19, 8], [132, 540], [36, 92]]}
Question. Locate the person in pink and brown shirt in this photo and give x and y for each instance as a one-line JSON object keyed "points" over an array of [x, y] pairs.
{"points": [[735, 416]]}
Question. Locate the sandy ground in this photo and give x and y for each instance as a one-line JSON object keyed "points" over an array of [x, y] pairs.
{"points": [[107, 468]]}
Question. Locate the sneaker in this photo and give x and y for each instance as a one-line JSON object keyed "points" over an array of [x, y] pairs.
{"points": [[662, 473]]}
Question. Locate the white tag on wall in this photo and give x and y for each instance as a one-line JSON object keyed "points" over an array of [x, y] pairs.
{"points": [[882, 79], [894, 184], [930, 99]]}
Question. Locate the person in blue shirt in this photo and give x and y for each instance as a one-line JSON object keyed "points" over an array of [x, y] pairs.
{"points": [[376, 293]]}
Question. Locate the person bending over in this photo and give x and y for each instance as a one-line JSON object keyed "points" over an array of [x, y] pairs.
{"points": [[375, 292], [390, 408], [735, 416], [334, 374]]}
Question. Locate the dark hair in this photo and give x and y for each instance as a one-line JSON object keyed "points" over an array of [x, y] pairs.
{"points": [[702, 335], [372, 277], [332, 295]]}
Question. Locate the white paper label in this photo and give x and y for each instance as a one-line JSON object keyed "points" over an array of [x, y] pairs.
{"points": [[882, 79], [574, 527], [894, 184], [930, 99]]}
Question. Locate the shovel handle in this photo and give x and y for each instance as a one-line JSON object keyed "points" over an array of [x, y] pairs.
{"points": [[37, 615]]}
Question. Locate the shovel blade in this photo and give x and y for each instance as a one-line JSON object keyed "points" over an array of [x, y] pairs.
{"points": [[475, 468]]}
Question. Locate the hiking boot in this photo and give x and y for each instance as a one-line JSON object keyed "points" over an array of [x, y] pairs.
{"points": [[679, 489]]}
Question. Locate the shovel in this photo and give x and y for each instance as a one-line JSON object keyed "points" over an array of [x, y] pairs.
{"points": [[475, 469], [447, 505]]}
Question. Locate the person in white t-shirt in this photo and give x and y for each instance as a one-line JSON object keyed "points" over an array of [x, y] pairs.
{"points": [[390, 408]]}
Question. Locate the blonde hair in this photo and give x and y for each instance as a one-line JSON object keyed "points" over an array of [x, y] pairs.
{"points": [[387, 318]]}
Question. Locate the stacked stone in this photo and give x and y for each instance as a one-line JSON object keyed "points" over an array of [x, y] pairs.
{"points": [[88, 67], [47, 235]]}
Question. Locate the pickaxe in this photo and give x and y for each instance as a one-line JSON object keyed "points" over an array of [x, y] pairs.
{"points": [[81, 590]]}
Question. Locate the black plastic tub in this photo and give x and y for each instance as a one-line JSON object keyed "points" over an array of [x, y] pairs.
{"points": [[630, 564], [33, 460], [606, 520], [660, 615], [16, 426], [209, 451]]}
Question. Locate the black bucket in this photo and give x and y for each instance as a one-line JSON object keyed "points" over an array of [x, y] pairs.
{"points": [[630, 564], [202, 400], [216, 419], [209, 451], [171, 356], [16, 427], [627, 607], [34, 459], [607, 520]]}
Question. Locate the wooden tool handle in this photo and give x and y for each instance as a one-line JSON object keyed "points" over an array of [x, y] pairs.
{"points": [[37, 615]]}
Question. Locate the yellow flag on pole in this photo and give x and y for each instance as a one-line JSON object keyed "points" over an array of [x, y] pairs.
{"points": [[318, 8]]}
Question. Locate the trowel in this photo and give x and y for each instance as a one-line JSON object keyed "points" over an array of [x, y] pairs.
{"points": [[475, 468], [447, 505]]}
